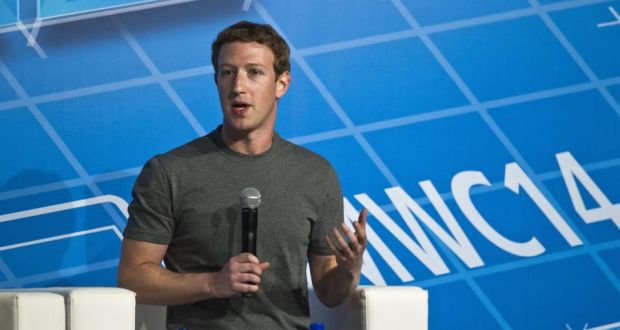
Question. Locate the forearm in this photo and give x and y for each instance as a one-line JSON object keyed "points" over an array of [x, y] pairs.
{"points": [[335, 286], [158, 286]]}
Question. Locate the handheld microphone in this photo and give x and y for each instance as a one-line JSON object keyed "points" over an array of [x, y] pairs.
{"points": [[250, 200]]}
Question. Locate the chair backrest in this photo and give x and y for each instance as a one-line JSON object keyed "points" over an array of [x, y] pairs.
{"points": [[369, 308], [98, 308]]}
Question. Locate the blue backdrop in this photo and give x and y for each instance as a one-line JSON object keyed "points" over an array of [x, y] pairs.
{"points": [[482, 135]]}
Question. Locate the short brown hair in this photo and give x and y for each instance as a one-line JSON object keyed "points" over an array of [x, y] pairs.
{"points": [[264, 34]]}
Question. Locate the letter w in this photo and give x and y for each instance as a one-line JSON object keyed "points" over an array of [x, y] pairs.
{"points": [[456, 240]]}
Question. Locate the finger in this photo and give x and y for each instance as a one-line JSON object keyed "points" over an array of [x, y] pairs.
{"points": [[250, 268], [247, 257], [360, 233], [333, 247], [245, 287], [361, 219], [264, 265], [344, 247], [360, 226], [246, 278], [251, 279], [353, 243]]}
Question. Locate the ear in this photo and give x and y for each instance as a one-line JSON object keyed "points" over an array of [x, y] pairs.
{"points": [[282, 83]]}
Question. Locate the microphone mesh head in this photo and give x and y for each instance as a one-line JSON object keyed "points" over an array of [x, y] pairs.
{"points": [[250, 198]]}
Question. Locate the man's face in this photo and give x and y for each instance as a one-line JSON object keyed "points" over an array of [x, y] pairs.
{"points": [[248, 87]]}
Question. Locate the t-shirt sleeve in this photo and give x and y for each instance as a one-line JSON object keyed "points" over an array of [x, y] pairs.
{"points": [[150, 212], [331, 213]]}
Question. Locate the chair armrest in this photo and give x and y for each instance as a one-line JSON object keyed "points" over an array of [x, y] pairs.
{"points": [[30, 310], [376, 308]]}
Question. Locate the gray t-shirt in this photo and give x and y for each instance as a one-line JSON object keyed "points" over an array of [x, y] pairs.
{"points": [[188, 199]]}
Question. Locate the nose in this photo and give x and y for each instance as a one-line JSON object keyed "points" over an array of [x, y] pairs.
{"points": [[239, 83]]}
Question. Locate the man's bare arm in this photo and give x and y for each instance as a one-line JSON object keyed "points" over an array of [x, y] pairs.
{"points": [[334, 277], [140, 270], [332, 286]]}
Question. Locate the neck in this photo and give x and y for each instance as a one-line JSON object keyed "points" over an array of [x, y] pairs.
{"points": [[251, 143]]}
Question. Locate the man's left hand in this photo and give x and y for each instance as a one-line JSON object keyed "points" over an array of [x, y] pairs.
{"points": [[349, 257]]}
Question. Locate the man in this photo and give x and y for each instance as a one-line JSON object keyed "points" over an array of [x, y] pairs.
{"points": [[186, 209]]}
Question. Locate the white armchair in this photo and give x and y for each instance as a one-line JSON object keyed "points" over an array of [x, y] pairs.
{"points": [[75, 308]]}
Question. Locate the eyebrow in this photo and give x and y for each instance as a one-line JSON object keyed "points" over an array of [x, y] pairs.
{"points": [[246, 65]]}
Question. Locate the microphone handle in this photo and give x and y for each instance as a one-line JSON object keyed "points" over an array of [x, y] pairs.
{"points": [[249, 219], [248, 230]]}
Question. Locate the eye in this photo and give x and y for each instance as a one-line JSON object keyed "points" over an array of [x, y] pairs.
{"points": [[225, 72], [255, 72]]}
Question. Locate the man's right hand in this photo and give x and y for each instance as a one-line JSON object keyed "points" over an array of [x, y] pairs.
{"points": [[140, 271], [242, 273]]}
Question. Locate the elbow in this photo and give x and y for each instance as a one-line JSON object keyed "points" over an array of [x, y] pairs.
{"points": [[328, 300], [123, 279], [331, 303], [121, 282]]}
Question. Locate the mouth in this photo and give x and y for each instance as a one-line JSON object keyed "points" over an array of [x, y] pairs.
{"points": [[239, 107]]}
